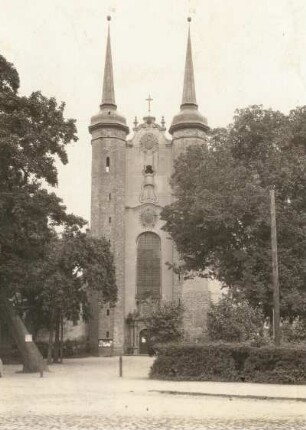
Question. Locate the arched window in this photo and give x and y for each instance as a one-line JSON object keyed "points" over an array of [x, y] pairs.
{"points": [[148, 266], [107, 165]]}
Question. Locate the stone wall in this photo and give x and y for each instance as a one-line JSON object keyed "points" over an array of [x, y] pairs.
{"points": [[197, 294], [107, 219]]}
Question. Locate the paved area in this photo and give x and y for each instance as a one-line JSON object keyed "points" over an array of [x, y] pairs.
{"points": [[88, 394]]}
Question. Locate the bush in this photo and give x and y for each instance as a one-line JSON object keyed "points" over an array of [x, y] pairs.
{"points": [[233, 321], [230, 362], [293, 332], [164, 323]]}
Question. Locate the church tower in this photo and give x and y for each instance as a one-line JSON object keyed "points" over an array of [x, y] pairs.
{"points": [[130, 188], [188, 126], [109, 130]]}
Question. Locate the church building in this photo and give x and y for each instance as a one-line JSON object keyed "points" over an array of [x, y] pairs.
{"points": [[130, 186]]}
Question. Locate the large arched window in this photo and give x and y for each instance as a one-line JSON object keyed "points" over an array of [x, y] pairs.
{"points": [[148, 266]]}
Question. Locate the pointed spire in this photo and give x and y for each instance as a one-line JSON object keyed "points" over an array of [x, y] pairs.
{"points": [[189, 95], [189, 116], [108, 95]]}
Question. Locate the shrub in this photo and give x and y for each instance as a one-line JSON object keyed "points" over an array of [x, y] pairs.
{"points": [[293, 332], [233, 321], [164, 323], [230, 362]]}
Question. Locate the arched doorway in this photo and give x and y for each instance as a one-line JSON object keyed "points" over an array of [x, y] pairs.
{"points": [[143, 342]]}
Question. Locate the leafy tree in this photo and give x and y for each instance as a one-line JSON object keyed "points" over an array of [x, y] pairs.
{"points": [[234, 321], [220, 219], [76, 265], [164, 323], [33, 135]]}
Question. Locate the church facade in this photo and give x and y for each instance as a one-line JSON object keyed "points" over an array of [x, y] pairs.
{"points": [[130, 186]]}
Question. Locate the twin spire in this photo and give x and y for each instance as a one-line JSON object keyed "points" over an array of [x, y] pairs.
{"points": [[189, 94], [108, 94]]}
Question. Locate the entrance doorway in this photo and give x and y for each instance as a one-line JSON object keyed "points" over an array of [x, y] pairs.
{"points": [[143, 342]]}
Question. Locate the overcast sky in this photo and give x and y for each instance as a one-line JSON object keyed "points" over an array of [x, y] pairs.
{"points": [[245, 52]]}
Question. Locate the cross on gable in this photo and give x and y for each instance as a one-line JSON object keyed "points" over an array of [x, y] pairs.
{"points": [[149, 100]]}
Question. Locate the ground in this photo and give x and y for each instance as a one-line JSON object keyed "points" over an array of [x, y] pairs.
{"points": [[88, 394]]}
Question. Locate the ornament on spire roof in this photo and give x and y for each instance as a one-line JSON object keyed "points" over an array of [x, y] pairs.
{"points": [[108, 94]]}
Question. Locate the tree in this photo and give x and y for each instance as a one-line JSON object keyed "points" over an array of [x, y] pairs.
{"points": [[33, 135], [76, 266], [220, 219], [234, 321], [164, 323]]}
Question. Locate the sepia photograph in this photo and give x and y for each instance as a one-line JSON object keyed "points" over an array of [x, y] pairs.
{"points": [[153, 214]]}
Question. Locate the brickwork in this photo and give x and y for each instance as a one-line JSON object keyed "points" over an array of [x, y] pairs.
{"points": [[195, 294], [185, 137], [107, 219], [130, 186], [196, 298]]}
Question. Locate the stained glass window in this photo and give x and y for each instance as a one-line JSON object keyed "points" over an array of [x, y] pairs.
{"points": [[148, 266]]}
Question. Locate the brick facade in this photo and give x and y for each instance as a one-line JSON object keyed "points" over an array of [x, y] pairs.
{"points": [[130, 186]]}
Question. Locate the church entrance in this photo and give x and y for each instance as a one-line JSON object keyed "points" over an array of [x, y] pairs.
{"points": [[143, 342]]}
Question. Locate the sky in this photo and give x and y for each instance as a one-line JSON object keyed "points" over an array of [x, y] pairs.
{"points": [[244, 51]]}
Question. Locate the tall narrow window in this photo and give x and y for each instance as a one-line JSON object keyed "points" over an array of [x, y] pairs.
{"points": [[148, 266], [109, 196], [109, 219], [107, 166]]}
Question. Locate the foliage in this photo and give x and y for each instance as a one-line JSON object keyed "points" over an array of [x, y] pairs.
{"points": [[76, 263], [47, 271], [33, 133], [293, 331], [234, 321], [164, 323], [230, 362], [220, 219]]}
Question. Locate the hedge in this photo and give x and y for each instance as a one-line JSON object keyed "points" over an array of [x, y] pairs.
{"points": [[230, 362]]}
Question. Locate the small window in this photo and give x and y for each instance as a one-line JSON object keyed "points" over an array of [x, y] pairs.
{"points": [[110, 220], [107, 334], [149, 169], [107, 312], [107, 166], [109, 196]]}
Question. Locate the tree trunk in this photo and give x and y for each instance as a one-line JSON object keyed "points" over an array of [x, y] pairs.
{"points": [[61, 338], [50, 342], [32, 359], [56, 340]]}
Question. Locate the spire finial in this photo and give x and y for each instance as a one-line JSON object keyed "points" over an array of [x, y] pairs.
{"points": [[189, 95], [108, 95]]}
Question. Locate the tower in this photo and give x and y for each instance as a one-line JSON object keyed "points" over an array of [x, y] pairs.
{"points": [[109, 130], [188, 126], [130, 187]]}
